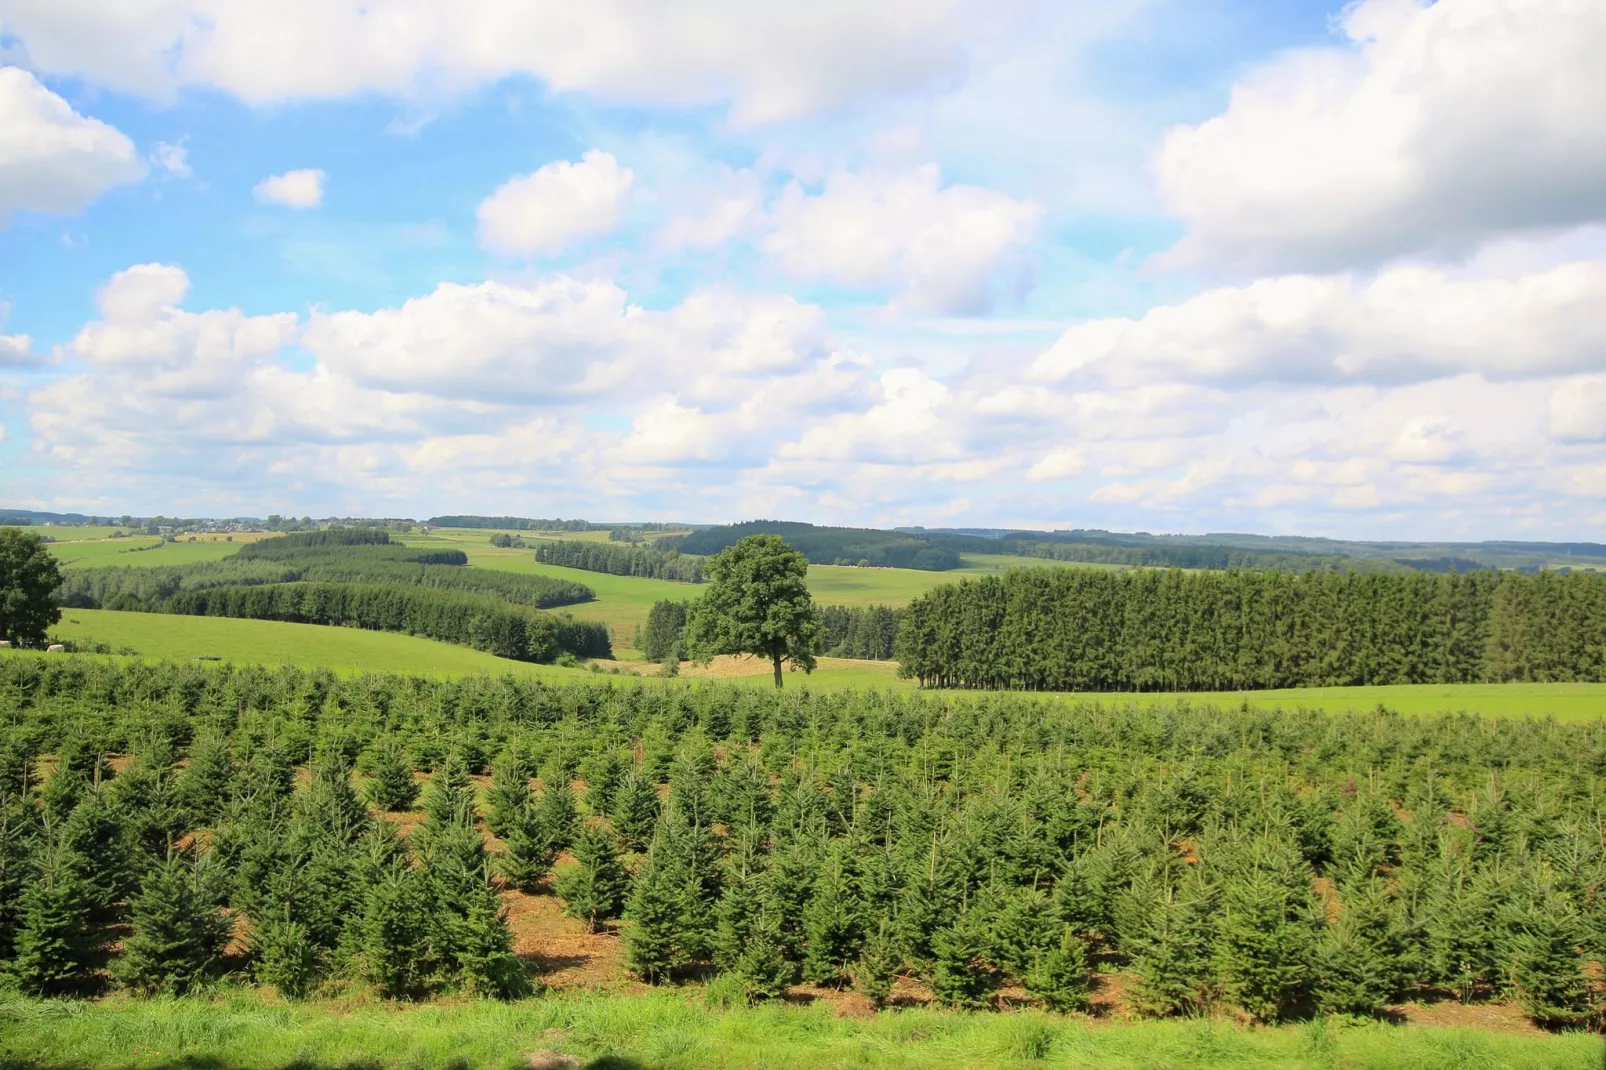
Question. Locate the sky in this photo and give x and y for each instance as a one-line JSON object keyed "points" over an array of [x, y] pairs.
{"points": [[1165, 265]]}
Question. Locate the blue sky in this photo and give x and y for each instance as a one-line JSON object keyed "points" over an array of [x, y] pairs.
{"points": [[1281, 267]]}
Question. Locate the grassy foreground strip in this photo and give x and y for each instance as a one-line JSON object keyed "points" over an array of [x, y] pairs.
{"points": [[670, 1030]]}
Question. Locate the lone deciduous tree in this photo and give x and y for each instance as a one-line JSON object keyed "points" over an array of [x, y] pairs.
{"points": [[29, 577], [757, 603]]}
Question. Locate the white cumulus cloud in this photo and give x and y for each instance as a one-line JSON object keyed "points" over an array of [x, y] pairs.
{"points": [[766, 61], [1406, 324], [548, 209], [1578, 410], [294, 189], [51, 158], [939, 249], [1432, 128]]}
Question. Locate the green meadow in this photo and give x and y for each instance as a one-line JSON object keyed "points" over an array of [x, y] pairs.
{"points": [[162, 636], [622, 603], [167, 636], [673, 1029]]}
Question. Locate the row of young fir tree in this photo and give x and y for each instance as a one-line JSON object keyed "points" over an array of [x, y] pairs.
{"points": [[771, 872]]}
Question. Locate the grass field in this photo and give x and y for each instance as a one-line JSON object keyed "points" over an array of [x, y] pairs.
{"points": [[162, 636], [675, 1029], [267, 642], [70, 532]]}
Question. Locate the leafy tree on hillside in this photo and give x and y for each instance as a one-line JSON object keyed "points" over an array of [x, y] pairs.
{"points": [[757, 603], [29, 576]]}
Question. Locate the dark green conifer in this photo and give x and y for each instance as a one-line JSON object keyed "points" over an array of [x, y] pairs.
{"points": [[762, 968], [831, 922], [604, 771], [332, 801], [635, 812], [594, 891], [205, 786], [558, 814], [528, 852], [269, 774], [508, 794], [963, 974], [450, 793], [100, 851], [63, 791], [1170, 952], [396, 934], [1458, 917], [20, 836], [1265, 943], [177, 937], [1058, 975], [1546, 971], [482, 947], [878, 963], [392, 787], [145, 803], [653, 940], [1360, 958], [284, 955], [1023, 926], [57, 938]]}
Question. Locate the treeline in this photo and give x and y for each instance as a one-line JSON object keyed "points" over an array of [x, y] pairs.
{"points": [[370, 562], [825, 545], [511, 523], [1215, 859], [620, 559], [868, 632], [478, 621], [1191, 557], [639, 532], [1082, 630]]}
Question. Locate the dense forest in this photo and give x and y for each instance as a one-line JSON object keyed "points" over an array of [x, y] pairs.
{"points": [[1215, 859], [826, 546], [860, 631], [1087, 630], [479, 621], [1191, 557], [620, 559], [347, 556]]}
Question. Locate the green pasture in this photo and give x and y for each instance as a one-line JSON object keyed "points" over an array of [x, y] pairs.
{"points": [[675, 1028], [70, 532], [166, 636], [139, 552], [160, 636]]}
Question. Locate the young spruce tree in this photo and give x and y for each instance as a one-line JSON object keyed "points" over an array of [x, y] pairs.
{"points": [[594, 891], [57, 938], [392, 787], [178, 935]]}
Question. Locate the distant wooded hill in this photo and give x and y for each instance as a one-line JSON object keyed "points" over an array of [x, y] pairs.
{"points": [[827, 546], [941, 549]]}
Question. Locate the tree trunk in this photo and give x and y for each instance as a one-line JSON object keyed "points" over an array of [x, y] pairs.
{"points": [[776, 660]]}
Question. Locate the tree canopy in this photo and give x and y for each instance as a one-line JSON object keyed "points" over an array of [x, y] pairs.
{"points": [[757, 603], [29, 576]]}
